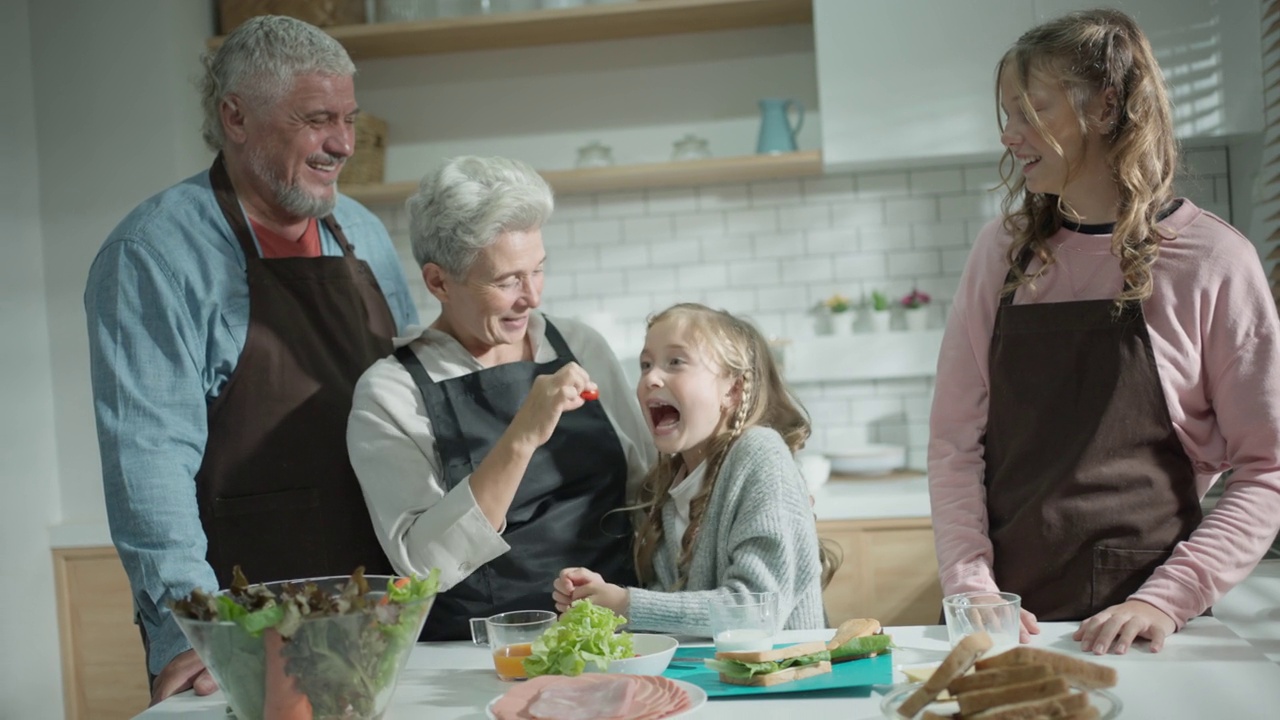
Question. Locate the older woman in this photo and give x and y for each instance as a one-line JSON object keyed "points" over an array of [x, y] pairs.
{"points": [[474, 446]]}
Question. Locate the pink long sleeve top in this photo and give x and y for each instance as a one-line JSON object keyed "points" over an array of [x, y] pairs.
{"points": [[1216, 341]]}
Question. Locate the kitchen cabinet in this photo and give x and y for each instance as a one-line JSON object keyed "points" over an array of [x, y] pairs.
{"points": [[889, 571], [538, 85], [104, 673], [898, 91]]}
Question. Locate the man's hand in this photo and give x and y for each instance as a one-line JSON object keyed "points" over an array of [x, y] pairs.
{"points": [[1114, 629], [183, 672]]}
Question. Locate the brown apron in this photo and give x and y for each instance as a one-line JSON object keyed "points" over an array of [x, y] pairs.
{"points": [[276, 490], [1088, 486]]}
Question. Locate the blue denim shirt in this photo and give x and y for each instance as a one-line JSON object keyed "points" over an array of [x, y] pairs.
{"points": [[167, 304]]}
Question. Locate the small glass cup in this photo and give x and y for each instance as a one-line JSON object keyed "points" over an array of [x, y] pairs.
{"points": [[744, 622], [510, 637], [998, 613]]}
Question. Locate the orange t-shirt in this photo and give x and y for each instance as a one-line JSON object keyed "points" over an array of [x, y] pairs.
{"points": [[274, 245]]}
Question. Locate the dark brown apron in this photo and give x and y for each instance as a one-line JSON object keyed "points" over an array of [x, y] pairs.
{"points": [[1088, 486], [276, 490], [560, 515]]}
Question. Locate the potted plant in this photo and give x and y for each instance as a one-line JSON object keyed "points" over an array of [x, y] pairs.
{"points": [[837, 308], [915, 310], [879, 308]]}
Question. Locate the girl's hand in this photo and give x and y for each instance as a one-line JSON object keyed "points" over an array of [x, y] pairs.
{"points": [[550, 396], [1114, 629], [578, 583], [1029, 627]]}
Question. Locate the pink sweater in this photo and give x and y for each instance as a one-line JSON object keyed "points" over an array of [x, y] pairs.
{"points": [[1216, 340]]}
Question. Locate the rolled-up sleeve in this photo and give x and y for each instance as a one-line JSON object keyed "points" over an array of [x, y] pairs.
{"points": [[421, 524], [149, 403]]}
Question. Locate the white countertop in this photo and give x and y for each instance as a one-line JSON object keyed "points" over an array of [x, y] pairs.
{"points": [[905, 495], [1205, 671]]}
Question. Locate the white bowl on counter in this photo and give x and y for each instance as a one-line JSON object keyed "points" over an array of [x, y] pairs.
{"points": [[815, 469], [868, 459]]}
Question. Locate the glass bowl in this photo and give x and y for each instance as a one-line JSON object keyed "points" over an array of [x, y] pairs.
{"points": [[336, 666], [1107, 704]]}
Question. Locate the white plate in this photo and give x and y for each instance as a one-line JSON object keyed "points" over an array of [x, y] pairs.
{"points": [[697, 698], [867, 459], [1107, 705]]}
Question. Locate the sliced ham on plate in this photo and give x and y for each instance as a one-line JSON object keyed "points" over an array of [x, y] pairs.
{"points": [[592, 696]]}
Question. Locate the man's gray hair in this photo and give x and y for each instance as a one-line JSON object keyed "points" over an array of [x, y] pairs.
{"points": [[464, 206], [259, 62]]}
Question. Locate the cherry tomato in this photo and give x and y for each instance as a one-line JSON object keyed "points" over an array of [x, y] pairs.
{"points": [[590, 394]]}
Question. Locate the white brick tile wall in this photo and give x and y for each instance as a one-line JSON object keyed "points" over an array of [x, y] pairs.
{"points": [[597, 232], [699, 224], [936, 181], [672, 201], [804, 217], [725, 248], [746, 221], [777, 192], [723, 197], [657, 227], [876, 185], [773, 250], [621, 204]]}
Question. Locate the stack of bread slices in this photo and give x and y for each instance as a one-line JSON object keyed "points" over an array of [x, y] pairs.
{"points": [[1024, 683]]}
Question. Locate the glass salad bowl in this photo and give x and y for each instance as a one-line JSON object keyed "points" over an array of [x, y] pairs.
{"points": [[318, 648]]}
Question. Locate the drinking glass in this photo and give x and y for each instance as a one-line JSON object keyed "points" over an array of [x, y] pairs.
{"points": [[998, 613], [510, 637], [744, 622]]}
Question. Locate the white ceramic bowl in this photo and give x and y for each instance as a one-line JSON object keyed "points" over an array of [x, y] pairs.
{"points": [[815, 469], [653, 654], [868, 459]]}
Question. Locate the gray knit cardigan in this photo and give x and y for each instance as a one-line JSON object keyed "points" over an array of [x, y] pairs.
{"points": [[757, 534]]}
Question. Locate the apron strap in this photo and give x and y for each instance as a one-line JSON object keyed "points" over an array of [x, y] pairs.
{"points": [[411, 363], [557, 341]]}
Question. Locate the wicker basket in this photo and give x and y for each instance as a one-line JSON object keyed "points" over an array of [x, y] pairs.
{"points": [[368, 163], [322, 13]]}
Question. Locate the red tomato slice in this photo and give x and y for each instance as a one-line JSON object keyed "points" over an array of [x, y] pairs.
{"points": [[590, 394]]}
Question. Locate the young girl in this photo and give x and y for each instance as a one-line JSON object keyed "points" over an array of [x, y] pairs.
{"points": [[725, 508], [1112, 349]]}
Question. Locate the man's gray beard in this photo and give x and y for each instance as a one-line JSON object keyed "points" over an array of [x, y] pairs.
{"points": [[291, 198]]}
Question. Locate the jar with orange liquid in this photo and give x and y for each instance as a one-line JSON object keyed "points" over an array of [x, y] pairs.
{"points": [[510, 637]]}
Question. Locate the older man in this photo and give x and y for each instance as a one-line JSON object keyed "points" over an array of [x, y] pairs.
{"points": [[229, 319]]}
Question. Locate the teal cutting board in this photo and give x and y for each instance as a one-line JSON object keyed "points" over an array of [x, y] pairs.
{"points": [[843, 676]]}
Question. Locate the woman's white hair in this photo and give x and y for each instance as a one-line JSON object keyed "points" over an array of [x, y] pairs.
{"points": [[259, 62], [464, 206]]}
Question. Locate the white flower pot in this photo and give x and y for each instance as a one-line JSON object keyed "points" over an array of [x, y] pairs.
{"points": [[916, 318], [880, 320]]}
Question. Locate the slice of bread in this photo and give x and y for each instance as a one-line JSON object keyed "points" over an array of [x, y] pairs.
{"points": [[996, 677], [958, 661], [790, 651], [1053, 707], [979, 700], [852, 628], [1081, 673], [782, 676], [930, 715]]}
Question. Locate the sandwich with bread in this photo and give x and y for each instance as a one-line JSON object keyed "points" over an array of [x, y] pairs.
{"points": [[855, 639]]}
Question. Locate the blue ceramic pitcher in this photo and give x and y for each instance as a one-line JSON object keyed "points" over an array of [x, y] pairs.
{"points": [[776, 133]]}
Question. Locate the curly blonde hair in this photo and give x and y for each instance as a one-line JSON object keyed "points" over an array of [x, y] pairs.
{"points": [[743, 354], [1091, 53]]}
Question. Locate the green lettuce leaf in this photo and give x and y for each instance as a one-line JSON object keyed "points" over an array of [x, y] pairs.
{"points": [[746, 670], [861, 647], [584, 633]]}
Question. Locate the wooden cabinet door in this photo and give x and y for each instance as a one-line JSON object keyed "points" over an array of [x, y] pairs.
{"points": [[889, 572], [104, 673]]}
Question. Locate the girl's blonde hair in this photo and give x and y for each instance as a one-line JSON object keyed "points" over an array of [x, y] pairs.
{"points": [[743, 355], [1090, 53]]}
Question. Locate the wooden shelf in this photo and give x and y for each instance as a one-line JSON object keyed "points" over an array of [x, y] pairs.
{"points": [[588, 23], [686, 173]]}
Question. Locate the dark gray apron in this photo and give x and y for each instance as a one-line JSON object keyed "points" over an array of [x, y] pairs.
{"points": [[557, 518], [1088, 486]]}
